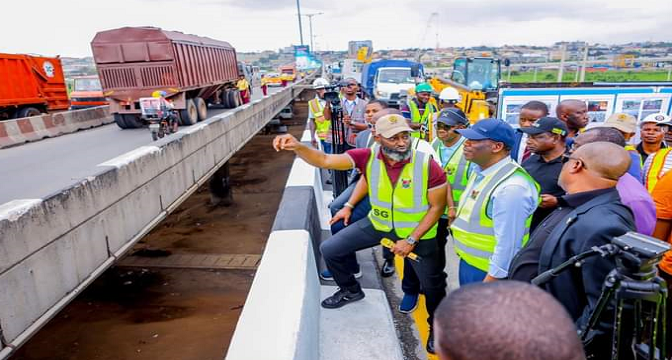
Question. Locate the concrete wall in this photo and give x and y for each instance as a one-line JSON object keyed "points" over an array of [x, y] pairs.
{"points": [[278, 323], [19, 131], [52, 248]]}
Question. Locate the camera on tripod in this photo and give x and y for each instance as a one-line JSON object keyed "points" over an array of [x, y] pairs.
{"points": [[632, 303]]}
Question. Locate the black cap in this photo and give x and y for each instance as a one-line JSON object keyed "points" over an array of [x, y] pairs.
{"points": [[452, 117], [547, 125]]}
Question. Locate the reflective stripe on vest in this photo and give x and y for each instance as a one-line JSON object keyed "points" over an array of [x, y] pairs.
{"points": [[425, 119], [402, 206], [473, 231], [455, 168], [656, 169], [321, 126]]}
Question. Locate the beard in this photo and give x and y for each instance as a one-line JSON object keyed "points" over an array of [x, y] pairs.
{"points": [[396, 155]]}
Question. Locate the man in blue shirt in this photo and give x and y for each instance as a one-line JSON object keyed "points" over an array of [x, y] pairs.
{"points": [[501, 190]]}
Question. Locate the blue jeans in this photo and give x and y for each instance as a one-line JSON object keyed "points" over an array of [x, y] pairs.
{"points": [[326, 147], [469, 274]]}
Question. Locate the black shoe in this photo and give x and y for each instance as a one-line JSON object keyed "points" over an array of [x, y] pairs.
{"points": [[430, 342], [388, 268], [342, 297]]}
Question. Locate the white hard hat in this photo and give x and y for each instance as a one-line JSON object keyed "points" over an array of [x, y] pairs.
{"points": [[656, 118], [449, 94], [320, 83], [475, 85]]}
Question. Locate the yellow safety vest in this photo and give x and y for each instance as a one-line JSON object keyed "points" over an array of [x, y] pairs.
{"points": [[399, 207], [425, 119], [473, 230], [656, 169], [456, 168], [322, 125]]}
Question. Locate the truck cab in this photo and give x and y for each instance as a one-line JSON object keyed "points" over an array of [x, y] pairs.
{"points": [[86, 92], [477, 73], [391, 82]]}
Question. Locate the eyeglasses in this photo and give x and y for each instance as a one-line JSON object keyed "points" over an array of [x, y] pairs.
{"points": [[566, 158]]}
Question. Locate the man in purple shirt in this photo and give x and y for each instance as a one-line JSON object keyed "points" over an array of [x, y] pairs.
{"points": [[633, 194]]}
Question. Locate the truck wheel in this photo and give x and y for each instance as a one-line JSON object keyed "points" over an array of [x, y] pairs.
{"points": [[202, 108], [190, 114], [233, 99], [28, 112], [225, 99], [132, 121], [119, 119]]}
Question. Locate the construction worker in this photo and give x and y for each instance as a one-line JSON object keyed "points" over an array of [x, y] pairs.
{"points": [[421, 112], [495, 210], [656, 166], [652, 135], [626, 124], [318, 123], [449, 98], [244, 89], [407, 191], [264, 84]]}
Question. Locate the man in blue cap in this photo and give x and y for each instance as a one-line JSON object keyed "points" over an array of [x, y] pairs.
{"points": [[496, 207]]}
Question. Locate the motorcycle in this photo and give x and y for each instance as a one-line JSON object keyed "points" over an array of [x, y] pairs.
{"points": [[161, 116]]}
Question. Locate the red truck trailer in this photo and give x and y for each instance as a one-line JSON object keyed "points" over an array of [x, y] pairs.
{"points": [[31, 85], [194, 71]]}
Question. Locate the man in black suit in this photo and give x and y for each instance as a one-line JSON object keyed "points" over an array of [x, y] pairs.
{"points": [[591, 214]]}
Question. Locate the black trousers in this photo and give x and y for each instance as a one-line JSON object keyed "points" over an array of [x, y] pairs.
{"points": [[411, 284], [338, 249]]}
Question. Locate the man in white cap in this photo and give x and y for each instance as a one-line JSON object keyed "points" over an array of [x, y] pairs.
{"points": [[627, 125], [652, 135], [660, 162], [407, 191]]}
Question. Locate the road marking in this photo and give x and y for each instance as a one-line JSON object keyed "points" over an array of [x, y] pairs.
{"points": [[195, 261]]}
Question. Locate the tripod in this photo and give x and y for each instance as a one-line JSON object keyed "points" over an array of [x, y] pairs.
{"points": [[635, 295], [340, 178]]}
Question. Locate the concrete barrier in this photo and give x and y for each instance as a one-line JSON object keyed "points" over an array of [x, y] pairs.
{"points": [[52, 248], [278, 323], [19, 131]]}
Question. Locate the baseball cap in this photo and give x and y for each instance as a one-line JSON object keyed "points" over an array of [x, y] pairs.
{"points": [[390, 125], [546, 125], [621, 121], [656, 118], [452, 117], [490, 129]]}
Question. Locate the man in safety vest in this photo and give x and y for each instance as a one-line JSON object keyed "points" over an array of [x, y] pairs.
{"points": [[495, 210], [659, 163], [319, 124], [407, 191], [421, 112]]}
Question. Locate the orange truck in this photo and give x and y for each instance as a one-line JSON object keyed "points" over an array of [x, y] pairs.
{"points": [[288, 72], [86, 93], [31, 85]]}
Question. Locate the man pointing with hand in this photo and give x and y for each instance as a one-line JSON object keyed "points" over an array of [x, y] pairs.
{"points": [[407, 191]]}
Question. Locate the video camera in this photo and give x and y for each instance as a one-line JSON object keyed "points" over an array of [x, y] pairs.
{"points": [[633, 299]]}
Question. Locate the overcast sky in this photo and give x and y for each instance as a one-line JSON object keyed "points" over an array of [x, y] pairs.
{"points": [[66, 27]]}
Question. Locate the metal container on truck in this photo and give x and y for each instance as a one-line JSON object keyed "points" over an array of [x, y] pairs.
{"points": [[86, 93], [31, 85], [194, 71]]}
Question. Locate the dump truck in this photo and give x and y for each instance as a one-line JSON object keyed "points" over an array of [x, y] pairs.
{"points": [[86, 93], [194, 72], [31, 85]]}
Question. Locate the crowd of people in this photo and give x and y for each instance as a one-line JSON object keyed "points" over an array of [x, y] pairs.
{"points": [[513, 202]]}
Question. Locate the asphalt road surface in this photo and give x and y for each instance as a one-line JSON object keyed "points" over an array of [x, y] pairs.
{"points": [[36, 170]]}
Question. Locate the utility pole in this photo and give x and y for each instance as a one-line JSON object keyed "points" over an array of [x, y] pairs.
{"points": [[563, 49], [583, 66], [310, 23], [298, 9]]}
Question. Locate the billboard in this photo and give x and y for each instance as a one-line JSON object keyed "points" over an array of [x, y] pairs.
{"points": [[304, 58], [355, 46]]}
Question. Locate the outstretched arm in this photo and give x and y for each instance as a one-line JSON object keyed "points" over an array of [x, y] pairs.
{"points": [[312, 156]]}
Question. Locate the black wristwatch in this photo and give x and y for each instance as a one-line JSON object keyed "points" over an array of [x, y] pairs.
{"points": [[411, 240]]}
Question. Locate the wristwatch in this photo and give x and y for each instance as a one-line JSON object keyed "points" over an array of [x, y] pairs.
{"points": [[411, 240]]}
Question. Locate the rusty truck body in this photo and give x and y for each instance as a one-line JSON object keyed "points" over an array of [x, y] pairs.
{"points": [[194, 72]]}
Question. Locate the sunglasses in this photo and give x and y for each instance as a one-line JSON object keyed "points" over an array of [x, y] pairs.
{"points": [[566, 158]]}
